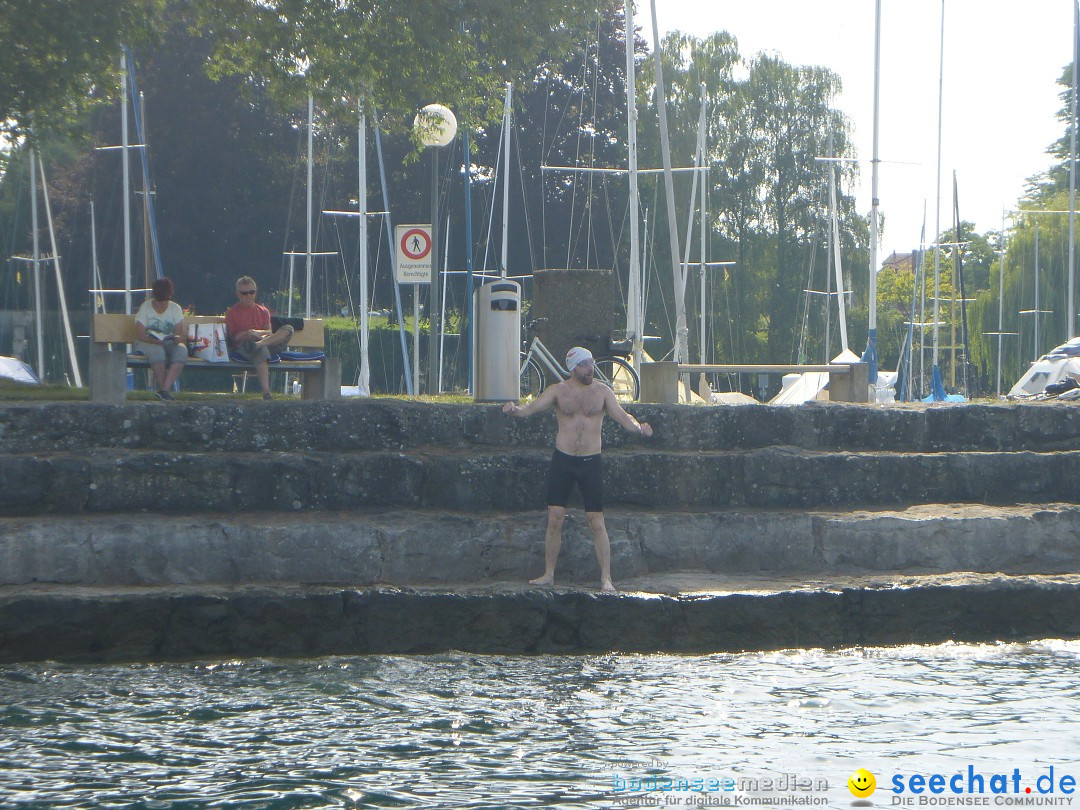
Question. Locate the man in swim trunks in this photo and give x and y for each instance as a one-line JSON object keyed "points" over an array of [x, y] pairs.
{"points": [[579, 407]]}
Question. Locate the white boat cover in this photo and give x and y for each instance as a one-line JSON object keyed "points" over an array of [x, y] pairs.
{"points": [[1063, 361], [12, 368]]}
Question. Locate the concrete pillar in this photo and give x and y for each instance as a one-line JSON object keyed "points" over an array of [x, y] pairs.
{"points": [[323, 384], [108, 373], [575, 302], [852, 386], [660, 382]]}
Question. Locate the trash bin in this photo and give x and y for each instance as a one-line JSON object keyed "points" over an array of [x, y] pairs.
{"points": [[497, 341]]}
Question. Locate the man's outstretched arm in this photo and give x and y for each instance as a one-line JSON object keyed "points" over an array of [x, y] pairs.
{"points": [[616, 412], [542, 403]]}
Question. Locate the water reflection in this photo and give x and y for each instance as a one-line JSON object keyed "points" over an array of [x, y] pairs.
{"points": [[486, 731]]}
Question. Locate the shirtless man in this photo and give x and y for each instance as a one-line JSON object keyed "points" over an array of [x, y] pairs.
{"points": [[580, 407]]}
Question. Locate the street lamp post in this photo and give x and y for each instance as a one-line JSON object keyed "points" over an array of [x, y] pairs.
{"points": [[437, 127]]}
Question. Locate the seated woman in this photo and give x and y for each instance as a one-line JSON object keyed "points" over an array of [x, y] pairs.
{"points": [[160, 327]]}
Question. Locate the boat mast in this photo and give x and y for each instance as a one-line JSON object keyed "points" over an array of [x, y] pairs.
{"points": [[59, 280], [363, 382], [1071, 308], [834, 249], [1035, 312], [681, 353], [870, 355], [634, 296], [506, 181], [38, 326], [126, 170], [1001, 302], [935, 368], [310, 118], [704, 222]]}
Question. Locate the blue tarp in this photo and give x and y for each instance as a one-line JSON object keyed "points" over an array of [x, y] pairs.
{"points": [[937, 390], [870, 356]]}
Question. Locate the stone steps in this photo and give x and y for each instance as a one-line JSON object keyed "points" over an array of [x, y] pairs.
{"points": [[384, 424], [486, 480], [689, 615], [441, 548], [145, 531]]}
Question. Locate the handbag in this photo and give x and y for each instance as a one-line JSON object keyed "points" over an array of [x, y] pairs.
{"points": [[207, 341]]}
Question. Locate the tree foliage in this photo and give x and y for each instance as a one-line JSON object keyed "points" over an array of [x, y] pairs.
{"points": [[63, 56], [767, 123], [399, 54]]}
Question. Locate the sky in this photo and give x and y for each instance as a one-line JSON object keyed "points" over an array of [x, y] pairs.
{"points": [[1000, 95]]}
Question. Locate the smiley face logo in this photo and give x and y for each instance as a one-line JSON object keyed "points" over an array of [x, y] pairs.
{"points": [[862, 783]]}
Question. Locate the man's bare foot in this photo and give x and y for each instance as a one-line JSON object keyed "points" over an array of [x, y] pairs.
{"points": [[546, 579], [607, 587]]}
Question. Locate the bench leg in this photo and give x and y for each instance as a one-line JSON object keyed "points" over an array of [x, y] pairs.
{"points": [[324, 383], [108, 374]]}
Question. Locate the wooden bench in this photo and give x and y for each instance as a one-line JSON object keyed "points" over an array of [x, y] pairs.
{"points": [[320, 379], [848, 382]]}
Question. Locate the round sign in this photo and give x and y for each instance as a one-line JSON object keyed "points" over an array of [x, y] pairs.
{"points": [[416, 244]]}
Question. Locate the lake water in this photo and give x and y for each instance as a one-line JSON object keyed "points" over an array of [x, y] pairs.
{"points": [[765, 729]]}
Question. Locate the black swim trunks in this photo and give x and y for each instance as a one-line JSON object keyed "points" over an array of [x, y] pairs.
{"points": [[586, 471]]}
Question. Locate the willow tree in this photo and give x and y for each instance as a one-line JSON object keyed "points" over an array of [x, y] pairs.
{"points": [[766, 130], [696, 71], [1046, 191]]}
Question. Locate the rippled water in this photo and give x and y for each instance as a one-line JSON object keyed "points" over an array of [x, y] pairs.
{"points": [[488, 731]]}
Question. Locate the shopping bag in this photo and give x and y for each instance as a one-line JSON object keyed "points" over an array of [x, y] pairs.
{"points": [[206, 341]]}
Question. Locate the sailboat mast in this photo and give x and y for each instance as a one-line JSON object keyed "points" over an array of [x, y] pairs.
{"points": [[148, 273], [1036, 313], [1071, 308], [678, 271], [834, 250], [126, 170], [363, 382], [937, 213], [872, 333], [704, 220], [38, 325], [1001, 302], [506, 181], [68, 336], [310, 118], [634, 297]]}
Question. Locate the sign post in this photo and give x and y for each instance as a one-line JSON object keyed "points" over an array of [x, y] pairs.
{"points": [[413, 266]]}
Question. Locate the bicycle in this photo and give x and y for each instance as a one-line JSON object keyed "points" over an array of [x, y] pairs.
{"points": [[609, 368]]}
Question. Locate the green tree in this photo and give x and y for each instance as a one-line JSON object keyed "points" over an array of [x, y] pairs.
{"points": [[63, 56], [400, 54]]}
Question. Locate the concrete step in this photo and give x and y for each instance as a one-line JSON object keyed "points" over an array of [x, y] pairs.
{"points": [[363, 548], [498, 479], [384, 424], [692, 613]]}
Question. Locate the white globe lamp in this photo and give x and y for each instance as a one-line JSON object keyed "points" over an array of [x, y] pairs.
{"points": [[436, 124]]}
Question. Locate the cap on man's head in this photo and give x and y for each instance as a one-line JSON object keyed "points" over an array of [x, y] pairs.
{"points": [[576, 356]]}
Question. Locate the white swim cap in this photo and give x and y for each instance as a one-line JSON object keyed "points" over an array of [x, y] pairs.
{"points": [[576, 356]]}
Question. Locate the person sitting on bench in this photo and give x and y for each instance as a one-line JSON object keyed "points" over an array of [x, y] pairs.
{"points": [[248, 327], [159, 324]]}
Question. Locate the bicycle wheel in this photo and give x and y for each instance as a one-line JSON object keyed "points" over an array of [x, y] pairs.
{"points": [[532, 378], [619, 376]]}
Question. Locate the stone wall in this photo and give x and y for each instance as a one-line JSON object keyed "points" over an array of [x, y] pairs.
{"points": [[147, 530]]}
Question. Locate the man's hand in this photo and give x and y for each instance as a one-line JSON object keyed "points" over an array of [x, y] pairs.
{"points": [[511, 408], [645, 428]]}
